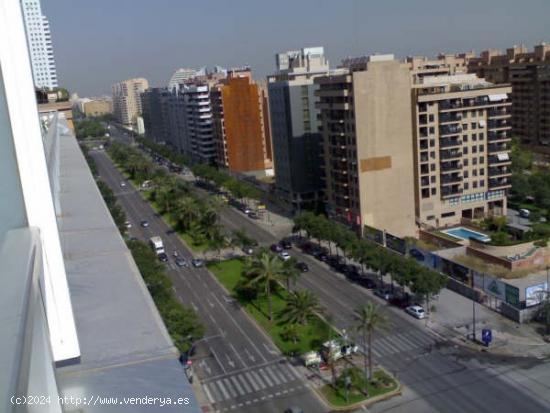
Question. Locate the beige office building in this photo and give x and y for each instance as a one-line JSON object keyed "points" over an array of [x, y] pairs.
{"points": [[97, 107], [127, 100], [462, 164], [366, 122]]}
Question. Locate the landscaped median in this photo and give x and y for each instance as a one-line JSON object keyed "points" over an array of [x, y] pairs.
{"points": [[306, 337], [232, 274]]}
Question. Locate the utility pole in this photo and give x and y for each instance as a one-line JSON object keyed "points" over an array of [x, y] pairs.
{"points": [[473, 317]]}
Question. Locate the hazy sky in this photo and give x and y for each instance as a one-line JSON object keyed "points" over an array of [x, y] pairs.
{"points": [[100, 42]]}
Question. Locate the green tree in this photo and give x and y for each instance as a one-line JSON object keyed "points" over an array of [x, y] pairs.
{"points": [[301, 306], [291, 273], [369, 318], [265, 269], [290, 332]]}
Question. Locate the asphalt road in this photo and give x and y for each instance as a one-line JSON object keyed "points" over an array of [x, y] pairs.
{"points": [[437, 376], [239, 367]]}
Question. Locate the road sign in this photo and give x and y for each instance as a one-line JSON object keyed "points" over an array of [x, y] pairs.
{"points": [[486, 336]]}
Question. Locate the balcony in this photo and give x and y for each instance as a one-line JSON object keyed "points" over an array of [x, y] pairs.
{"points": [[499, 111], [452, 191], [451, 179], [450, 104], [498, 123], [449, 130], [448, 154], [450, 166], [450, 117], [500, 159], [499, 183], [497, 147], [498, 136], [499, 171], [449, 142]]}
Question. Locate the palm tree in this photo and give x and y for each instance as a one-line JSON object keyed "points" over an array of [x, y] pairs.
{"points": [[291, 272], [301, 306], [369, 318], [217, 241], [186, 210], [265, 269]]}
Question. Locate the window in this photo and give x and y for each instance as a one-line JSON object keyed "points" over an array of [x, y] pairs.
{"points": [[481, 160], [430, 217], [464, 126], [465, 162], [466, 186], [431, 118], [432, 142], [482, 182], [481, 148], [465, 174], [464, 138], [432, 130], [447, 215], [434, 191], [482, 172], [474, 161], [432, 167], [432, 179], [474, 149], [425, 193], [465, 150], [475, 184], [473, 125], [474, 137]]}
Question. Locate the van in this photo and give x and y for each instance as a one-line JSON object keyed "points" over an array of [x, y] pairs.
{"points": [[311, 359], [524, 213]]}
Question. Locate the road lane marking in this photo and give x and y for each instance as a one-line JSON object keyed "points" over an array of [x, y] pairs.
{"points": [[273, 376], [230, 388], [245, 384], [237, 385], [252, 381], [207, 392], [223, 390], [264, 375], [259, 380]]}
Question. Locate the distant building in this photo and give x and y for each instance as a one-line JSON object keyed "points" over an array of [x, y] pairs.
{"points": [[297, 143], [127, 101], [39, 40], [242, 138], [462, 163], [181, 76], [94, 107], [529, 75], [367, 129]]}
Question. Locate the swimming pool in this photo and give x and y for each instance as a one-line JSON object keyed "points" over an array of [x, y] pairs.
{"points": [[466, 234]]}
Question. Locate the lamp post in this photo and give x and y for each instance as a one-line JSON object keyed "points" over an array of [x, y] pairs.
{"points": [[346, 379]]}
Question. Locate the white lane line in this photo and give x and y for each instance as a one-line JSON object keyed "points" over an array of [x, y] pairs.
{"points": [[237, 354], [400, 344], [252, 381], [237, 385], [294, 371], [245, 384], [283, 373], [386, 342], [264, 375], [426, 340], [218, 360], [403, 337], [207, 392]]}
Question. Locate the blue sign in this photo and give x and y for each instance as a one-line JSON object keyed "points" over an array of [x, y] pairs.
{"points": [[486, 336]]}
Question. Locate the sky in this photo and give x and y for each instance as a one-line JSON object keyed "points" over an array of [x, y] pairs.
{"points": [[100, 42]]}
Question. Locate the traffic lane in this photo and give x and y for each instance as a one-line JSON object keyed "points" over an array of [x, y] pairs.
{"points": [[215, 302]]}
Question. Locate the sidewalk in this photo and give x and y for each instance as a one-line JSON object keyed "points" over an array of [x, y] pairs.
{"points": [[453, 319]]}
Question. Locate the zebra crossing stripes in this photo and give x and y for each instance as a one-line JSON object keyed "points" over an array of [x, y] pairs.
{"points": [[248, 382], [397, 343]]}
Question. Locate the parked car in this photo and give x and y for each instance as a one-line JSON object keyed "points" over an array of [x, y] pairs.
{"points": [[144, 223], [128, 224], [284, 255], [253, 215], [163, 257], [416, 311], [286, 244], [383, 293], [248, 250], [524, 213], [197, 262], [366, 282], [276, 247], [334, 260], [311, 358], [123, 184], [302, 266], [246, 210], [180, 262], [401, 300]]}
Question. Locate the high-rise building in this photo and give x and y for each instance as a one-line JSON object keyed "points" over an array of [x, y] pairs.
{"points": [[366, 124], [198, 123], [462, 127], [529, 75], [39, 40], [181, 76], [297, 143], [127, 100], [240, 124]]}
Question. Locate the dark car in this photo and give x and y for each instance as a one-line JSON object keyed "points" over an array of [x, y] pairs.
{"points": [[366, 282], [401, 300], [144, 223], [197, 262], [416, 254], [340, 267], [286, 244], [180, 262], [302, 266], [352, 276], [253, 215], [276, 248], [334, 260], [163, 257]]}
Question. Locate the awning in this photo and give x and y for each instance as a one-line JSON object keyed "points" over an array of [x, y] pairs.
{"points": [[499, 97], [482, 123], [503, 157]]}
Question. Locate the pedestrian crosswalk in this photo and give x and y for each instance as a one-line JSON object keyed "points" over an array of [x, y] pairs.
{"points": [[261, 378], [386, 345]]}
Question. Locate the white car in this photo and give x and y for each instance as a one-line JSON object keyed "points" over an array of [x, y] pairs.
{"points": [[284, 255], [128, 224], [416, 311], [123, 184]]}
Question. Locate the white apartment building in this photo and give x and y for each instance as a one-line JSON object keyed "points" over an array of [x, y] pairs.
{"points": [[39, 40]]}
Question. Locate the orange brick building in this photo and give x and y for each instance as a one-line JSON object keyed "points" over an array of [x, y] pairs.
{"points": [[241, 125]]}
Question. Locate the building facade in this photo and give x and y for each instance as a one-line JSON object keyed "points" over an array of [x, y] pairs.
{"points": [[180, 76], [94, 107], [367, 129], [127, 100], [39, 41], [462, 164], [297, 143], [240, 124], [529, 75]]}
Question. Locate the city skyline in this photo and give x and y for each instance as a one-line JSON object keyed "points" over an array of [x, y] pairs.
{"points": [[152, 40]]}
